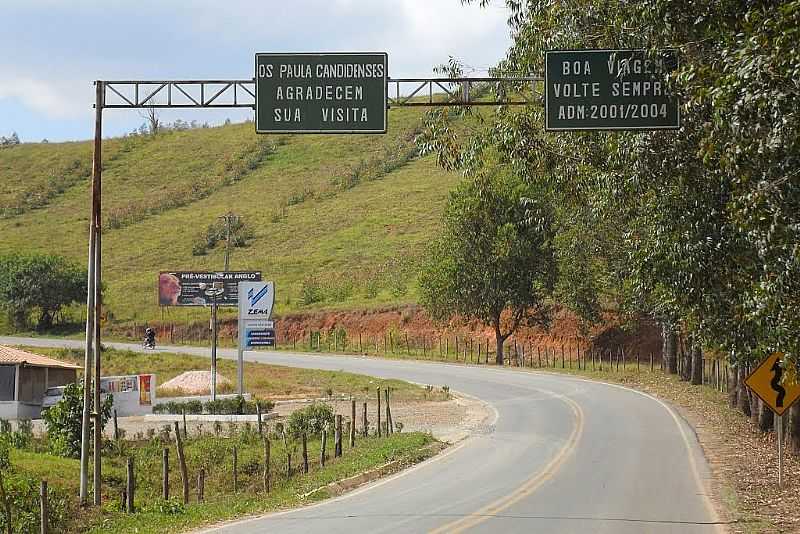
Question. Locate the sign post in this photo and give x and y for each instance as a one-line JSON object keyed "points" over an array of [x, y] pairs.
{"points": [[609, 90], [256, 329], [321, 93], [766, 382]]}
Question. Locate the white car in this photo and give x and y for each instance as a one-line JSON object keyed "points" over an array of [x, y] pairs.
{"points": [[55, 394], [52, 396]]}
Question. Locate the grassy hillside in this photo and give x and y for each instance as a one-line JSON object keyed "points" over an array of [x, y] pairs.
{"points": [[337, 218]]}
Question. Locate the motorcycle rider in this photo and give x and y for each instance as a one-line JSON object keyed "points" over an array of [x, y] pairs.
{"points": [[150, 338]]}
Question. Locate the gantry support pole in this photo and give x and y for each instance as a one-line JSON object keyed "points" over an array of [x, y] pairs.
{"points": [[92, 334], [97, 172]]}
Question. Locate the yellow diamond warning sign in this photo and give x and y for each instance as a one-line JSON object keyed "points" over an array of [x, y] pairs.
{"points": [[766, 381]]}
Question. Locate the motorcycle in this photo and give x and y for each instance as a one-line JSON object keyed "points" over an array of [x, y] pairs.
{"points": [[149, 343]]}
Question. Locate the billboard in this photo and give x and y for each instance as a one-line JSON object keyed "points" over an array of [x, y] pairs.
{"points": [[189, 288]]}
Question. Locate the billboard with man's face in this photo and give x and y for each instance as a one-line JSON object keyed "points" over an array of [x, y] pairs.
{"points": [[190, 288]]}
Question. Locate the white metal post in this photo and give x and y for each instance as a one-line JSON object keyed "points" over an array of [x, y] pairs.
{"points": [[779, 431]]}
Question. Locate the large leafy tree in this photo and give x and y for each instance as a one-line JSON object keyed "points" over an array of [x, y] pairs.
{"points": [[38, 284], [707, 218], [705, 232], [494, 260]]}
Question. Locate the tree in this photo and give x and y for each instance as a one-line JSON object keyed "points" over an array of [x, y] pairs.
{"points": [[153, 118], [64, 421], [9, 141], [39, 283], [709, 216], [494, 260]]}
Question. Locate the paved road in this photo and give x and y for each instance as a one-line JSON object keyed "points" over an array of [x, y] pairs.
{"points": [[562, 455]]}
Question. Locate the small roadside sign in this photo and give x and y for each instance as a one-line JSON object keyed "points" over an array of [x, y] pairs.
{"points": [[766, 382], [256, 328]]}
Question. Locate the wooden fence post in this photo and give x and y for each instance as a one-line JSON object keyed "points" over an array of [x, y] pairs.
{"points": [[258, 418], [337, 438], [352, 423], [182, 464], [201, 482], [185, 433], [365, 422], [389, 426], [43, 515], [165, 474], [266, 465], [116, 426], [235, 469], [305, 453], [322, 446], [130, 487], [379, 411]]}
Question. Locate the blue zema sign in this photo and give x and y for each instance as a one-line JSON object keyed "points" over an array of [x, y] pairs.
{"points": [[256, 300]]}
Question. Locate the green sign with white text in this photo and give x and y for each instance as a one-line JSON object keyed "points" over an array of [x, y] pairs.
{"points": [[321, 93], [609, 90]]}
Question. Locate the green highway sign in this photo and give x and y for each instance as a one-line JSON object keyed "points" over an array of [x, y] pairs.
{"points": [[609, 90], [321, 93]]}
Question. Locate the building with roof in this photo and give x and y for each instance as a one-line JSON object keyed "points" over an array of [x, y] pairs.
{"points": [[24, 378]]}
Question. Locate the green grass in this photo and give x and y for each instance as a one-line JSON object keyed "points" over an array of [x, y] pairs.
{"points": [[213, 453], [262, 380], [313, 221]]}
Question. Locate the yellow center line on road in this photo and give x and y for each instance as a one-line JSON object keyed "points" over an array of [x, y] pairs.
{"points": [[531, 485]]}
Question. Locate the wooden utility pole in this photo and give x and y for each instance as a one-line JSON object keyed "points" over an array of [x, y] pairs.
{"points": [[93, 285]]}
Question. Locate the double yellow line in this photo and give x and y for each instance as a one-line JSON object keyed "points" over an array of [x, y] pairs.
{"points": [[530, 485]]}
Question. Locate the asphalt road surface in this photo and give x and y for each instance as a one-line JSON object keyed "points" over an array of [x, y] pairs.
{"points": [[560, 455]]}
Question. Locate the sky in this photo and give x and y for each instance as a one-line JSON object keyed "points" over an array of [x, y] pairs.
{"points": [[53, 49]]}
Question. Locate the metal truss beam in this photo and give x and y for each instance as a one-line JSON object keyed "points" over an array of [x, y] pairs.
{"points": [[434, 92], [403, 92]]}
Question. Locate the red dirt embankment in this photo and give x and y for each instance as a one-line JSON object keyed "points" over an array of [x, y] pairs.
{"points": [[411, 324]]}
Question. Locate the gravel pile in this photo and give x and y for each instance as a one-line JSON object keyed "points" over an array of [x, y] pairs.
{"points": [[194, 382]]}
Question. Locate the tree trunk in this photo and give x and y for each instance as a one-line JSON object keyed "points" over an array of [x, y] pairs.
{"points": [[733, 386], [685, 356], [754, 408], [697, 361], [765, 417], [743, 395], [793, 430], [670, 350], [500, 340]]}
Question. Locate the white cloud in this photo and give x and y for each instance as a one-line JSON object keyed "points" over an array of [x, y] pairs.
{"points": [[162, 40], [57, 99]]}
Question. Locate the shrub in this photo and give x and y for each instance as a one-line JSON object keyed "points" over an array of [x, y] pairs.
{"points": [[226, 406], [311, 420], [23, 496], [311, 291], [22, 437], [64, 421]]}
